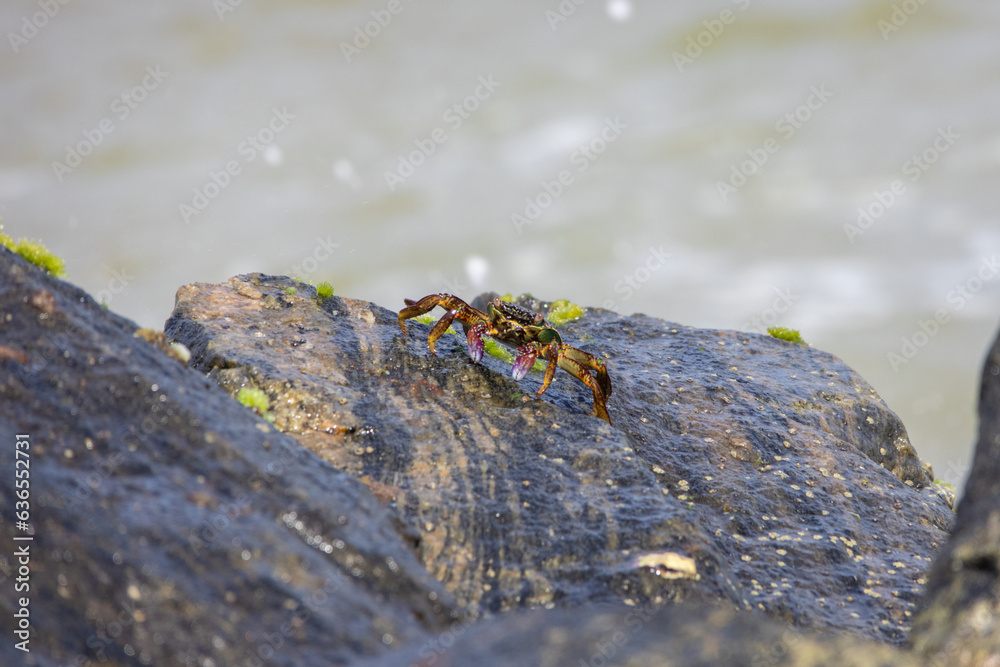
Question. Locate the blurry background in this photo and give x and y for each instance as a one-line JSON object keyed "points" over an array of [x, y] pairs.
{"points": [[723, 164]]}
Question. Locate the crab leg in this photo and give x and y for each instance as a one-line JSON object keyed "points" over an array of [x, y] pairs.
{"points": [[580, 371], [475, 334], [551, 353], [525, 360], [439, 328], [417, 308], [579, 364], [474, 321], [588, 361]]}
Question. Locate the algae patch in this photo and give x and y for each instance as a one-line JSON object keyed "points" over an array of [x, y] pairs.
{"points": [[256, 400], [324, 290], [791, 335], [36, 253], [563, 311]]}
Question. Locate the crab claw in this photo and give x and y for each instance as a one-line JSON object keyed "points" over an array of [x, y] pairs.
{"points": [[523, 363], [476, 345]]}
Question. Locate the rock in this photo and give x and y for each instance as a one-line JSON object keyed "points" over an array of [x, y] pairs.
{"points": [[392, 499], [959, 620], [676, 636], [169, 525], [740, 470]]}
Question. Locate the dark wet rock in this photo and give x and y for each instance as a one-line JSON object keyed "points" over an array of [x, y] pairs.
{"points": [[170, 525], [959, 622], [675, 636], [740, 469]]}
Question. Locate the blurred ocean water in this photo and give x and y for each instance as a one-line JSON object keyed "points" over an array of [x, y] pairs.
{"points": [[733, 164]]}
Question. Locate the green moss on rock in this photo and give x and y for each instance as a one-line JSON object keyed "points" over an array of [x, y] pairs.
{"points": [[256, 400], [791, 335], [36, 253], [324, 290], [562, 311]]}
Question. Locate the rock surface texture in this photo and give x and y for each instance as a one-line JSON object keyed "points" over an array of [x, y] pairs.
{"points": [[959, 623], [740, 469], [675, 636], [167, 527], [394, 507]]}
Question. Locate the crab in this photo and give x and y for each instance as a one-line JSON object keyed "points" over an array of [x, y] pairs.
{"points": [[524, 331]]}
